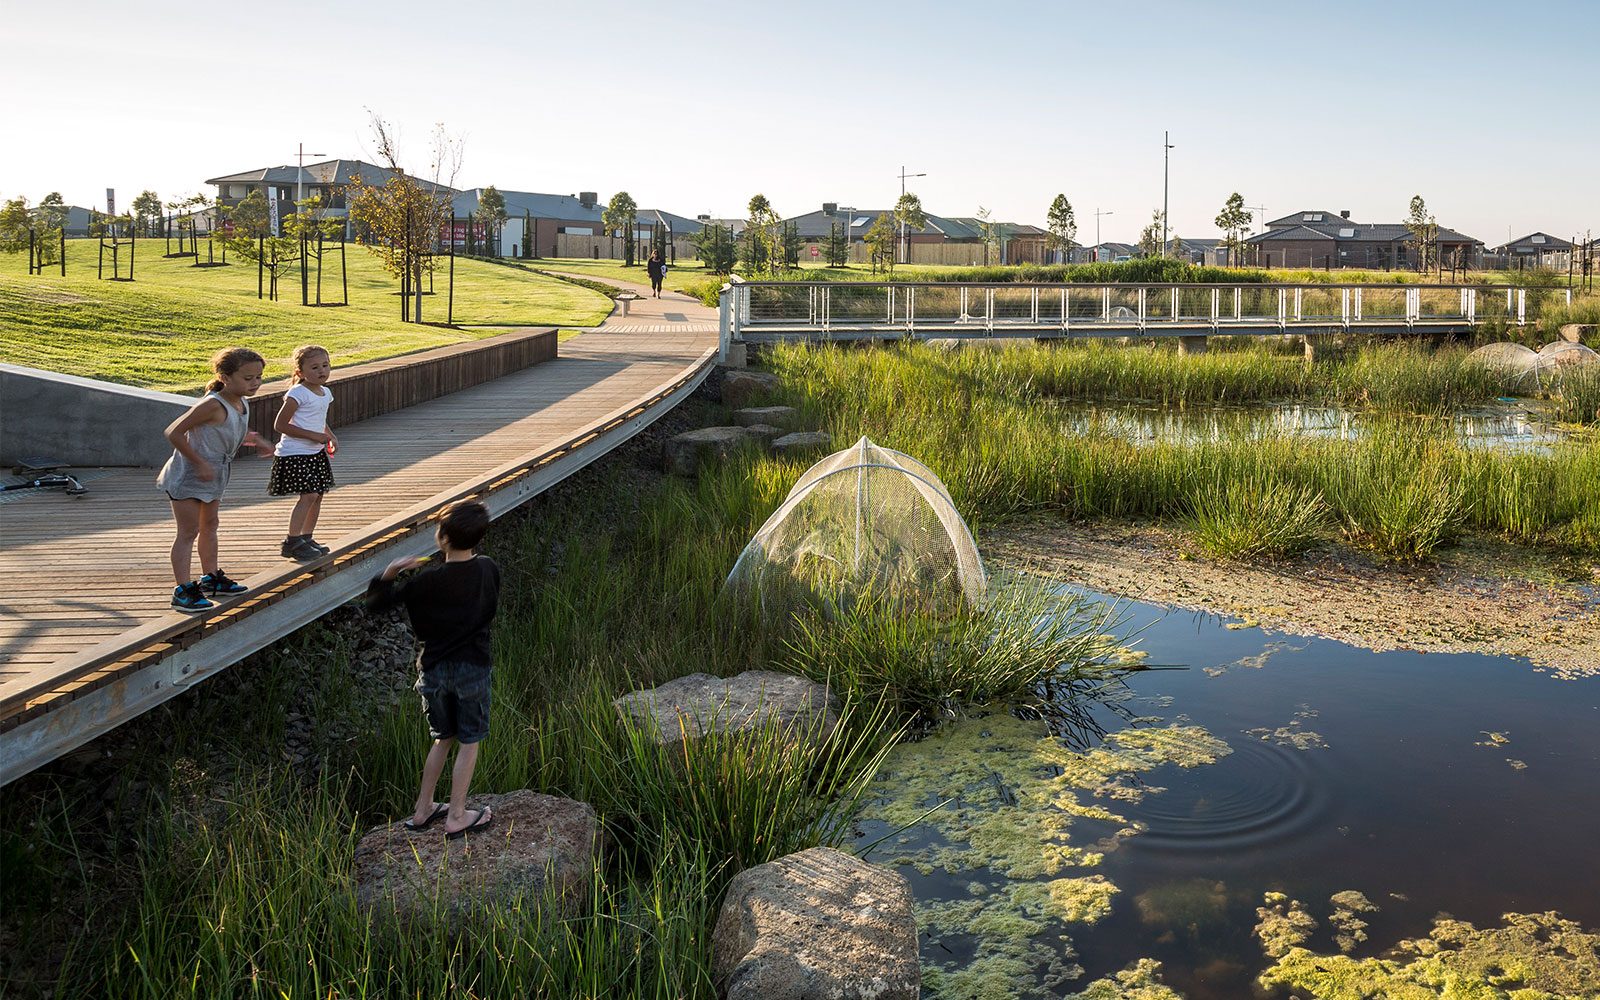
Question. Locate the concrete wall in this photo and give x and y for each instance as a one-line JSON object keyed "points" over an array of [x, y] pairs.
{"points": [[82, 422]]}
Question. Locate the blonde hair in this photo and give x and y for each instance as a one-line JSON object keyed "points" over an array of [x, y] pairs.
{"points": [[305, 351], [229, 360]]}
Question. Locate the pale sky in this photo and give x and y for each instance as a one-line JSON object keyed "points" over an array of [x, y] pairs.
{"points": [[695, 106]]}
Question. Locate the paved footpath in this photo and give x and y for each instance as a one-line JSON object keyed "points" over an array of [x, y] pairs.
{"points": [[76, 573]]}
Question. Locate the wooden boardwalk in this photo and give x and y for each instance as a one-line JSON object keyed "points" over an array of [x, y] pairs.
{"points": [[81, 577]]}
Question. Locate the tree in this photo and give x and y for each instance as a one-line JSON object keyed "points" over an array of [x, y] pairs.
{"points": [[910, 216], [251, 217], [400, 222], [1150, 236], [54, 210], [622, 213], [1235, 221], [1424, 233], [991, 234], [43, 221], [837, 249], [1061, 224], [15, 221], [147, 212], [492, 213], [791, 245], [881, 239], [763, 236], [714, 246]]}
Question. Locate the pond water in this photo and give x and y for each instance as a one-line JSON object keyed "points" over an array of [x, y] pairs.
{"points": [[1512, 425], [1431, 783]]}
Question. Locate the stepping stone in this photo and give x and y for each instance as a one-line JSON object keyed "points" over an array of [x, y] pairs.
{"points": [[685, 453], [814, 925], [533, 841], [802, 442], [699, 703], [766, 432], [741, 388], [782, 416]]}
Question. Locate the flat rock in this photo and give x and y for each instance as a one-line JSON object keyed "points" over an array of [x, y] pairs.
{"points": [[741, 388], [802, 442], [766, 432], [694, 705], [686, 452], [535, 839], [817, 925], [1573, 333], [782, 416]]}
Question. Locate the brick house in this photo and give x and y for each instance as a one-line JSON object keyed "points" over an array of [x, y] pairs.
{"points": [[283, 184], [1333, 239]]}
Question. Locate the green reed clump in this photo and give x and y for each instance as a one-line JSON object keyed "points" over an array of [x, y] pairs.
{"points": [[1578, 400], [1247, 519]]}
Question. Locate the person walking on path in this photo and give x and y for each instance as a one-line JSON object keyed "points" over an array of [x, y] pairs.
{"points": [[204, 441], [452, 603], [657, 269], [301, 461]]}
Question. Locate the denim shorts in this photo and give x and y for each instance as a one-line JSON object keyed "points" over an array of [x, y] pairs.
{"points": [[455, 697]]}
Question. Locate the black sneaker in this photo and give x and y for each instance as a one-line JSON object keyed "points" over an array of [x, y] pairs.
{"points": [[188, 599], [219, 584], [319, 546], [302, 550]]}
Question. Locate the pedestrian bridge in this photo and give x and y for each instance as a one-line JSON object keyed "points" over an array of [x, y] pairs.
{"points": [[753, 312]]}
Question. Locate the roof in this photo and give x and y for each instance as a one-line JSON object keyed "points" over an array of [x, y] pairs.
{"points": [[539, 206], [1291, 233], [1344, 230], [1310, 216], [1528, 242], [1116, 248], [335, 172]]}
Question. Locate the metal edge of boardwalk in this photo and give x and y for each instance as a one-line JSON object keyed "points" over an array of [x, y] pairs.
{"points": [[97, 690]]}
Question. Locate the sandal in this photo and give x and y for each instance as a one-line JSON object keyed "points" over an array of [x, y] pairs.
{"points": [[440, 811], [484, 818]]}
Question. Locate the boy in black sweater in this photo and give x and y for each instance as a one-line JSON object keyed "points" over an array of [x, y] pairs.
{"points": [[452, 605]]}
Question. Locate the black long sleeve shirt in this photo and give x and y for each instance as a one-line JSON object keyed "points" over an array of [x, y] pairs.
{"points": [[452, 607]]}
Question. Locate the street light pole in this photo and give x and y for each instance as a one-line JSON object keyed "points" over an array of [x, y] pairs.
{"points": [[904, 250], [1166, 153], [1097, 214]]}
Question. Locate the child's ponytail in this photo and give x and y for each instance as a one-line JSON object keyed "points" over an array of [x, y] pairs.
{"points": [[229, 360]]}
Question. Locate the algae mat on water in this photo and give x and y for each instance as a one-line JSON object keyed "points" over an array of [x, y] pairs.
{"points": [[1005, 795]]}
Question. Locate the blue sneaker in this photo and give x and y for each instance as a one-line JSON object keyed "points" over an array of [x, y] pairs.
{"points": [[188, 599], [218, 584]]}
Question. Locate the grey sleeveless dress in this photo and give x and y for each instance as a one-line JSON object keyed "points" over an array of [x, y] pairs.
{"points": [[215, 443]]}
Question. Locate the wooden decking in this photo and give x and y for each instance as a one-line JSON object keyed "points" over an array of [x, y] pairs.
{"points": [[81, 578]]}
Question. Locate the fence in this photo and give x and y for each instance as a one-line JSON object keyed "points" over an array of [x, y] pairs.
{"points": [[611, 247]]}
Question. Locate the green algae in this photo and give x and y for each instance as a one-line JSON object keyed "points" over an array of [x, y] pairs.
{"points": [[1005, 796], [1191, 905], [1255, 661], [1349, 929], [1139, 981], [1283, 924], [1532, 956], [1492, 739]]}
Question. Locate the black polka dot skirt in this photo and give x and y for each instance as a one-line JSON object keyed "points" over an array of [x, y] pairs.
{"points": [[300, 474]]}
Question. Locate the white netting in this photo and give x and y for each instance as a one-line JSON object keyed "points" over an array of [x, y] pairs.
{"points": [[1525, 366], [866, 518]]}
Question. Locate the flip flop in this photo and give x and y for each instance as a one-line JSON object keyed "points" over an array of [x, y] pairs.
{"points": [[481, 823], [440, 811]]}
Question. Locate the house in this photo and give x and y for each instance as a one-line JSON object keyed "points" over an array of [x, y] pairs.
{"points": [[1533, 245], [1210, 252], [1110, 251], [550, 216], [1333, 239], [284, 185]]}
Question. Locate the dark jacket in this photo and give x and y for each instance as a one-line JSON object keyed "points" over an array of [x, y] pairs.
{"points": [[452, 607], [657, 269]]}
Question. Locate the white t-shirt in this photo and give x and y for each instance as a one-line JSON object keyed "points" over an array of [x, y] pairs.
{"points": [[311, 414]]}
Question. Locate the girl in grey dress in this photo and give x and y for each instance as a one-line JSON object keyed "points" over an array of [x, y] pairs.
{"points": [[203, 444]]}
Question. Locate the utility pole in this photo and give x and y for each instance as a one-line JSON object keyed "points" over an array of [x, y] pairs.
{"points": [[300, 174], [1097, 214], [904, 250], [1166, 153]]}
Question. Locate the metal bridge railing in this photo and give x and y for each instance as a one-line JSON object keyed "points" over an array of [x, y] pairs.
{"points": [[753, 311]]}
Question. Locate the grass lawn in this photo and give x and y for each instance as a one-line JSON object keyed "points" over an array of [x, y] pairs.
{"points": [[160, 330]]}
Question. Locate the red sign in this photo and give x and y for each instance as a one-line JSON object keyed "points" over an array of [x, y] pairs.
{"points": [[816, 252]]}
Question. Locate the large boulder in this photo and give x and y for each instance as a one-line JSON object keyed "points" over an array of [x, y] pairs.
{"points": [[817, 925], [535, 841], [741, 388], [685, 453], [691, 706], [1576, 333], [802, 443], [782, 416]]}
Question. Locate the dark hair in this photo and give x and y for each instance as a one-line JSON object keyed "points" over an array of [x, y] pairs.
{"points": [[305, 351], [229, 360], [464, 524]]}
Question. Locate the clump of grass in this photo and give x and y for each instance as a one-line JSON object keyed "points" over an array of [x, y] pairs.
{"points": [[1404, 517], [1579, 399], [1252, 518]]}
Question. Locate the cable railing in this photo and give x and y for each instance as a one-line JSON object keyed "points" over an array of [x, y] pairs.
{"points": [[758, 311]]}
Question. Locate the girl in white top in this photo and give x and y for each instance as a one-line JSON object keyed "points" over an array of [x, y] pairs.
{"points": [[301, 465]]}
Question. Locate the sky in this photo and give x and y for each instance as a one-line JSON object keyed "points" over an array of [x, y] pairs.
{"points": [[695, 106]]}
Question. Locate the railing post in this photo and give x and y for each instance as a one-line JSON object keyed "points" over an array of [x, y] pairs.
{"points": [[827, 308], [988, 309], [1283, 308], [963, 303], [1105, 301], [888, 299], [724, 323], [1344, 307], [811, 305], [1036, 307], [1522, 307], [1066, 305], [1238, 304], [1216, 304], [1174, 303], [911, 309], [1297, 299], [1142, 293], [1472, 305]]}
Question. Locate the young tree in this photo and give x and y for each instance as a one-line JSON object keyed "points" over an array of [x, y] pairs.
{"points": [[837, 249], [763, 230], [401, 221], [250, 217], [15, 221], [791, 245], [909, 215], [1062, 225], [43, 220], [714, 246], [622, 213], [1150, 236], [1424, 233], [991, 234], [54, 210], [1235, 221], [492, 213], [881, 239], [147, 212]]}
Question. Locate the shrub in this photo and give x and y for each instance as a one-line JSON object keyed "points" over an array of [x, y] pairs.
{"points": [[1255, 517]]}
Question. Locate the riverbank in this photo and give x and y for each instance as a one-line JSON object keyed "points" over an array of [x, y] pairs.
{"points": [[1481, 596]]}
